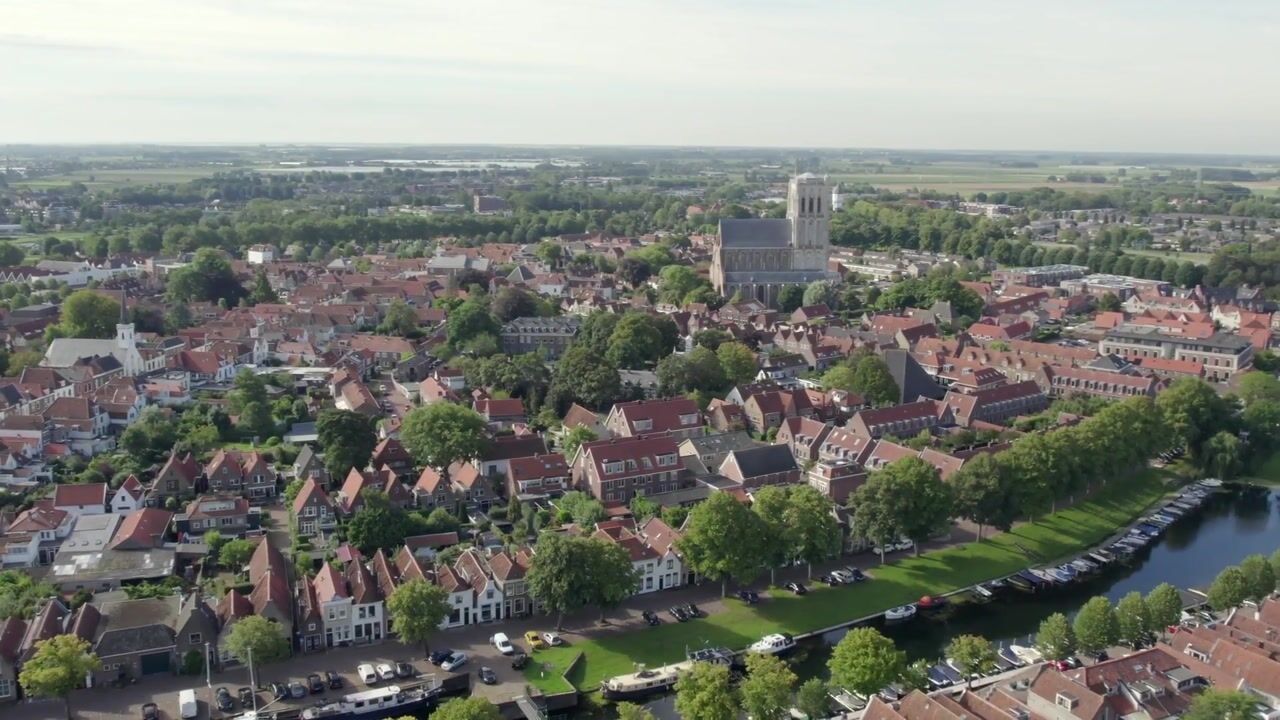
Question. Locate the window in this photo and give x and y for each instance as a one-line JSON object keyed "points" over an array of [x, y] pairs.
{"points": [[311, 627], [194, 639], [6, 689]]}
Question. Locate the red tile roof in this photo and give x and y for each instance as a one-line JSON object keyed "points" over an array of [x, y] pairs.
{"points": [[70, 495], [141, 529]]}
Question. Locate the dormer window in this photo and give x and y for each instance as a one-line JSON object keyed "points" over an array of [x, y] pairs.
{"points": [[1066, 700]]}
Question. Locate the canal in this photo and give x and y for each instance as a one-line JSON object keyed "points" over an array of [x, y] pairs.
{"points": [[1190, 553]]}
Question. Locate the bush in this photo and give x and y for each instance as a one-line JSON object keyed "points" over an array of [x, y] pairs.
{"points": [[192, 663]]}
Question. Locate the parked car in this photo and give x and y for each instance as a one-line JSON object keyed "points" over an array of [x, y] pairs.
{"points": [[679, 613], [750, 597], [454, 661], [651, 618], [519, 661], [246, 697], [150, 712], [405, 670], [854, 573], [488, 676], [842, 576], [553, 639], [386, 671], [367, 674], [502, 643], [222, 698], [904, 544], [535, 640], [279, 691], [829, 580], [797, 588], [297, 690], [439, 656], [315, 683], [693, 611], [333, 680]]}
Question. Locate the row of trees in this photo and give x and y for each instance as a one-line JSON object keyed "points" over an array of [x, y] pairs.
{"points": [[1099, 625], [1255, 578]]}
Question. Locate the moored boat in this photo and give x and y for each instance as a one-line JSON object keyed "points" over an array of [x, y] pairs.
{"points": [[775, 644], [1028, 655], [643, 682], [373, 704], [900, 613]]}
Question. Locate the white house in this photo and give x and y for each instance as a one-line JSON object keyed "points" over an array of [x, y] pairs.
{"points": [[20, 549], [127, 497], [260, 255], [78, 500], [335, 606]]}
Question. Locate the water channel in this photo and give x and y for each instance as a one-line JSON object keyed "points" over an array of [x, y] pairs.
{"points": [[1189, 554]]}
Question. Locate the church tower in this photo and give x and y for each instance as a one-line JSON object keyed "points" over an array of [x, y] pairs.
{"points": [[809, 210], [126, 342]]}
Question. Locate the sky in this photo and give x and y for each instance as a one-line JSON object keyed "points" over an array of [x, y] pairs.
{"points": [[1119, 75]]}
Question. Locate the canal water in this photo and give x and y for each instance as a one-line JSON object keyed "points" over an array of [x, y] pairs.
{"points": [[1230, 526]]}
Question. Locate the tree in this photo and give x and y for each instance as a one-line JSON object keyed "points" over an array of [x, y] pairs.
{"points": [[556, 578], [1056, 640], [348, 439], [1255, 386], [441, 520], [89, 314], [1223, 455], [811, 699], [1133, 618], [1229, 589], [642, 508], [468, 321], [262, 291], [822, 292], [632, 711], [399, 319], [864, 661], [213, 540], [1110, 303], [417, 609], [11, 255], [468, 708], [1192, 412], [983, 492], [872, 380], [766, 691], [912, 497], [1260, 579], [379, 525], [790, 298], [633, 270], [974, 654], [440, 434], [815, 532], [580, 508], [1096, 626], [613, 576], [738, 362], [721, 540], [255, 421], [511, 303], [1164, 606], [583, 376], [635, 342], [21, 594], [235, 554], [1214, 704], [58, 666], [209, 278], [573, 439], [778, 547], [256, 634], [703, 693]]}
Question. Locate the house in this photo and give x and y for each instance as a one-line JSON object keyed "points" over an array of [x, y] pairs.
{"points": [[143, 529], [669, 569], [349, 500], [1060, 381], [230, 515], [678, 417], [473, 489], [356, 397], [231, 609], [391, 453], [269, 576], [616, 470], [310, 617], [902, 420], [996, 405], [487, 601], [313, 511], [128, 497], [12, 630], [759, 466], [309, 465], [702, 455], [241, 473], [176, 479], [77, 500], [497, 455], [48, 525], [501, 414], [644, 559], [137, 638], [766, 410], [433, 490], [538, 476]]}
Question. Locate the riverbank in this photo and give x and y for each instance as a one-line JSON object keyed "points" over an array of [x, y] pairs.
{"points": [[1056, 536]]}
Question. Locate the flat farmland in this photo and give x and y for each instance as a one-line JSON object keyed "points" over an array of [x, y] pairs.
{"points": [[113, 178]]}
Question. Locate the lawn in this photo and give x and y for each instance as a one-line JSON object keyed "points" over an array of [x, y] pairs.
{"points": [[1055, 536], [1267, 471]]}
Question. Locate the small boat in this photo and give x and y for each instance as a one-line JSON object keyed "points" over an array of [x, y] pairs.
{"points": [[1149, 530], [1010, 657], [1058, 575], [1028, 655], [1213, 483], [384, 702], [983, 592], [900, 613], [939, 679], [1048, 578], [932, 603], [1083, 566], [713, 655], [1102, 557], [952, 674], [851, 701], [997, 584], [775, 644], [1028, 580], [1069, 570], [643, 682], [1021, 583]]}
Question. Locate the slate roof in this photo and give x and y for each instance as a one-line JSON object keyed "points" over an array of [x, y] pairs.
{"points": [[755, 233], [765, 460], [913, 382]]}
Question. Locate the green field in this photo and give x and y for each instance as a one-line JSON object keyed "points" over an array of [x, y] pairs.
{"points": [[114, 178], [1199, 258], [1266, 471], [1056, 536]]}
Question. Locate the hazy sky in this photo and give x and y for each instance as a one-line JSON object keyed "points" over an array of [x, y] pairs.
{"points": [[1115, 75]]}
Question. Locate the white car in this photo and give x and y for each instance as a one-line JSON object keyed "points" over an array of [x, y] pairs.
{"points": [[552, 639], [843, 576], [367, 674], [904, 544], [454, 661], [503, 644], [386, 671]]}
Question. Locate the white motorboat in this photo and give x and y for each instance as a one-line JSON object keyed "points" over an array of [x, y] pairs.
{"points": [[775, 644], [982, 591], [1028, 655], [1213, 483], [383, 702], [902, 612]]}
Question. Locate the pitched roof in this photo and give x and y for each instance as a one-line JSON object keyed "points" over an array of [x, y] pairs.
{"points": [[310, 492], [141, 529], [765, 460], [70, 495]]}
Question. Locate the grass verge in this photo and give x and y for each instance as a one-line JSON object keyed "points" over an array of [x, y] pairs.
{"points": [[1266, 471], [1055, 536]]}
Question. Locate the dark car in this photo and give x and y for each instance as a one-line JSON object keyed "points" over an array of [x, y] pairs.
{"points": [[439, 656], [279, 691], [750, 597], [693, 611], [222, 698], [679, 613], [488, 676], [150, 712], [858, 575], [519, 661], [830, 580], [315, 683], [650, 617], [333, 680], [297, 690], [405, 670], [246, 697], [797, 588]]}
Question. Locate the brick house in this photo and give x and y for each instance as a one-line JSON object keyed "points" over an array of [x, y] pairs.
{"points": [[756, 467], [619, 469], [230, 515], [678, 417], [241, 473], [313, 510]]}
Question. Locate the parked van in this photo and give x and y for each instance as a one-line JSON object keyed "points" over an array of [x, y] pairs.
{"points": [[187, 707]]}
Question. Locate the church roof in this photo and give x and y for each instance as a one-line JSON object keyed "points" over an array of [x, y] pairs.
{"points": [[756, 233]]}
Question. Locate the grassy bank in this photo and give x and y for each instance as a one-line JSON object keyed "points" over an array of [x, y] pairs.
{"points": [[1265, 471], [1058, 535]]}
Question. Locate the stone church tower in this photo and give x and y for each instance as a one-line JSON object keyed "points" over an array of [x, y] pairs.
{"points": [[760, 256]]}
